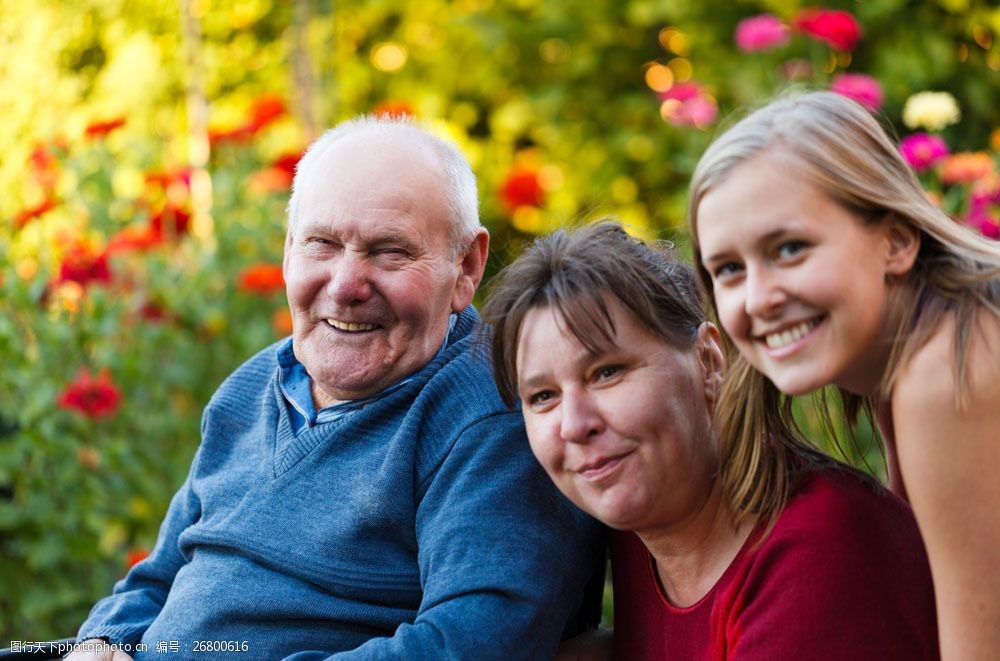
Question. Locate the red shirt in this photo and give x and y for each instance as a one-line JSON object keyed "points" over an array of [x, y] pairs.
{"points": [[842, 575]]}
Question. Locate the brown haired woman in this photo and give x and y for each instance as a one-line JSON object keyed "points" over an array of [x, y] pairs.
{"points": [[762, 549]]}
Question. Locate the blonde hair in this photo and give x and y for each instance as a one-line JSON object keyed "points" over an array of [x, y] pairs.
{"points": [[838, 146]]}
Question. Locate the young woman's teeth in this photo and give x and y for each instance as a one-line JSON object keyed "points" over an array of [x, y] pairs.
{"points": [[349, 327], [786, 337]]}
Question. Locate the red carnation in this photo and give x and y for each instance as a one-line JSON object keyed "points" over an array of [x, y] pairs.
{"points": [[835, 27], [170, 221], [83, 266], [264, 110], [522, 188], [89, 396], [134, 238], [261, 279], [99, 129]]}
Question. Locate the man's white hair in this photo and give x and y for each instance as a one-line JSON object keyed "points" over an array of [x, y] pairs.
{"points": [[460, 187]]}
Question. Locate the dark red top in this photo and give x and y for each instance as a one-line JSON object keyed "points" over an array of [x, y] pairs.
{"points": [[842, 575]]}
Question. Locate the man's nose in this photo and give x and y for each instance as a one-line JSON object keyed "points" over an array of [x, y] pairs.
{"points": [[764, 293], [581, 419], [350, 280]]}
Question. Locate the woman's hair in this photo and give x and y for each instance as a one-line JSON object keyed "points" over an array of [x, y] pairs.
{"points": [[572, 272], [838, 146]]}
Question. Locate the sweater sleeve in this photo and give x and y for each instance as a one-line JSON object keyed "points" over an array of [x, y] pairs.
{"points": [[503, 557], [123, 617], [819, 596]]}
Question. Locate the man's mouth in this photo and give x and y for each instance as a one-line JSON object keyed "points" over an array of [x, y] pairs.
{"points": [[351, 326], [784, 338]]}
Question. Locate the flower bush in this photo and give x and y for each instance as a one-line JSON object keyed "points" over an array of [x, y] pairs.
{"points": [[146, 178]]}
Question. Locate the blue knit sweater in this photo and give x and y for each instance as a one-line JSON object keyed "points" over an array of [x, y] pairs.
{"points": [[419, 527]]}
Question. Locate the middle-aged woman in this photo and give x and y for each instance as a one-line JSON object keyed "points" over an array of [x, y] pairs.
{"points": [[762, 550]]}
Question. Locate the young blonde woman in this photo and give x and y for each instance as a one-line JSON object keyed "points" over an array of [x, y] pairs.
{"points": [[827, 265]]}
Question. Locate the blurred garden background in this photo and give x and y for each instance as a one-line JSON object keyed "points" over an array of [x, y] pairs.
{"points": [[148, 148]]}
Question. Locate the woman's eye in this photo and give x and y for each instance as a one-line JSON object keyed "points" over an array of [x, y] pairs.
{"points": [[540, 397], [790, 249], [607, 372], [726, 270]]}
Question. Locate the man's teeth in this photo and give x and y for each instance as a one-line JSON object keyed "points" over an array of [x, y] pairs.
{"points": [[786, 337], [350, 327]]}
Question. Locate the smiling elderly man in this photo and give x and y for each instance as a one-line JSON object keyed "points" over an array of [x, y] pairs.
{"points": [[360, 491]]}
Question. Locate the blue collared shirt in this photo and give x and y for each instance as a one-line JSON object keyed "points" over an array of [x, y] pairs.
{"points": [[296, 387]]}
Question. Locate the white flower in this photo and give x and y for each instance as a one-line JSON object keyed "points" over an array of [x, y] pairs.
{"points": [[931, 111]]}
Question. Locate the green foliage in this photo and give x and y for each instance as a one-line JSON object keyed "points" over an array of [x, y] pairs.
{"points": [[555, 89]]}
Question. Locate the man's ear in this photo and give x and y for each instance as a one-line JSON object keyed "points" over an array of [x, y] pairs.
{"points": [[902, 246], [711, 360], [471, 270]]}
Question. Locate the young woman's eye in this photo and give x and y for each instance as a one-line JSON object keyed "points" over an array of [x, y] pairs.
{"points": [[726, 270], [790, 249]]}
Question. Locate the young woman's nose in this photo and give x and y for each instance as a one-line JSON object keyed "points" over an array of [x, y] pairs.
{"points": [[764, 293]]}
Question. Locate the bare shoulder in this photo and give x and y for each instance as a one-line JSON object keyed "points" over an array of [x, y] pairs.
{"points": [[947, 457], [927, 385]]}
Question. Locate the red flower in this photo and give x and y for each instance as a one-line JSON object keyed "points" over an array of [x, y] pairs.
{"points": [[261, 279], [44, 166], [135, 556], [99, 129], [27, 215], [394, 109], [835, 27], [134, 238], [91, 397], [170, 221], [264, 110], [522, 188], [168, 178], [83, 266], [859, 87], [238, 134], [278, 176]]}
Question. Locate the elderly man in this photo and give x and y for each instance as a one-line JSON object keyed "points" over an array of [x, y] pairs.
{"points": [[360, 491]]}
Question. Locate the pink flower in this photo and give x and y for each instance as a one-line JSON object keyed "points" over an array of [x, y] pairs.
{"points": [[982, 220], [834, 27], [859, 87], [687, 104], [922, 150], [760, 33]]}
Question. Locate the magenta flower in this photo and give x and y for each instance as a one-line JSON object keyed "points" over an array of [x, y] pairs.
{"points": [[859, 87], [687, 104], [981, 219], [839, 29], [760, 33], [922, 150]]}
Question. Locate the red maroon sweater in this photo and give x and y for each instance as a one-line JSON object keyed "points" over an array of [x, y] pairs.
{"points": [[842, 575]]}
